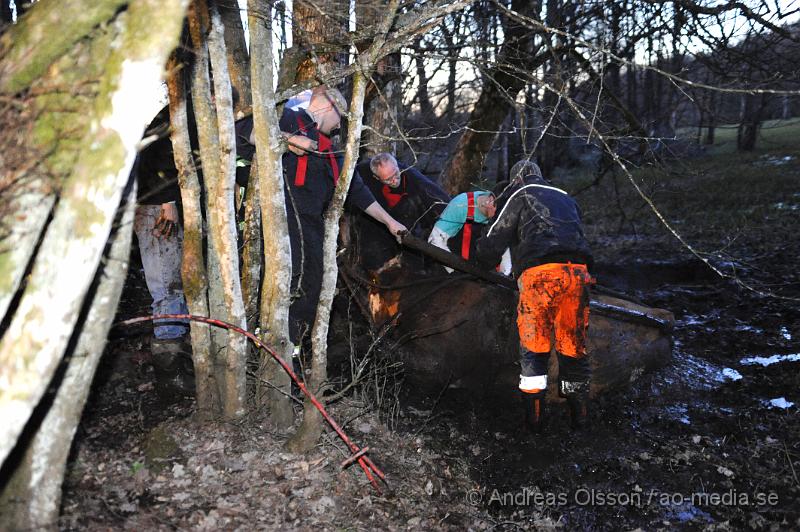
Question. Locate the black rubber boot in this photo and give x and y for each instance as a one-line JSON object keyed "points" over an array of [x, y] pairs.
{"points": [[174, 369], [577, 394], [535, 415], [573, 384]]}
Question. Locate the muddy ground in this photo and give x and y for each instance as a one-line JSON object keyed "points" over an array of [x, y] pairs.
{"points": [[708, 443]]}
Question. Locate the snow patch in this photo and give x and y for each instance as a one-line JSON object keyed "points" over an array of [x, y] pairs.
{"points": [[768, 361], [786, 334], [769, 160], [780, 402], [731, 374]]}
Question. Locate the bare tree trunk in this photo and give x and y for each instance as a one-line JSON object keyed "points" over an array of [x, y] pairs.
{"points": [[452, 66], [252, 250], [275, 289], [384, 92], [32, 496], [208, 138], [382, 110], [493, 105], [321, 26], [193, 269], [747, 132], [217, 150], [425, 108], [238, 58], [222, 223], [309, 432], [37, 336]]}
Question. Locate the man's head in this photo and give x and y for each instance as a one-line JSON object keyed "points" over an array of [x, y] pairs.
{"points": [[327, 107], [486, 204], [385, 169], [523, 169]]}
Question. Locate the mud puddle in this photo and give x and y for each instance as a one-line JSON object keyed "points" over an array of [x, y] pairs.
{"points": [[711, 442]]}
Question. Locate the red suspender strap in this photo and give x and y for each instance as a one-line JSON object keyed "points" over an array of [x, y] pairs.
{"points": [[467, 233], [302, 161], [325, 146], [393, 198]]}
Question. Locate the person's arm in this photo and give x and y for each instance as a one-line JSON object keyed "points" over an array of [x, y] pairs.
{"points": [[379, 213], [490, 247], [167, 222], [438, 238]]}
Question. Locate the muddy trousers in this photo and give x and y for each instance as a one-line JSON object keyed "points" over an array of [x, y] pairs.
{"points": [[553, 311], [161, 259]]}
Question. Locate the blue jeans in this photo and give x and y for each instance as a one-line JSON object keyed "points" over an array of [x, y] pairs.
{"points": [[161, 258]]}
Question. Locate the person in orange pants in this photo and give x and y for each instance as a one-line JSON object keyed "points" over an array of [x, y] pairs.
{"points": [[541, 225]]}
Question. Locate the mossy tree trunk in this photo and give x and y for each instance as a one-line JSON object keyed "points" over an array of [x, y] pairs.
{"points": [[90, 111], [277, 267], [193, 268], [218, 152]]}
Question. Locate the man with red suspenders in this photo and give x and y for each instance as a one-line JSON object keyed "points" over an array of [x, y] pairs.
{"points": [[462, 222], [409, 196], [542, 226], [311, 170]]}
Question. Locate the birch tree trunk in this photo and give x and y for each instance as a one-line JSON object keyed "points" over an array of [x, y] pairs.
{"points": [[222, 223], [193, 268], [98, 160], [309, 432], [32, 497], [252, 250], [274, 319]]}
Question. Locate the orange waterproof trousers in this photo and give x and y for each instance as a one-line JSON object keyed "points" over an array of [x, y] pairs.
{"points": [[554, 301]]}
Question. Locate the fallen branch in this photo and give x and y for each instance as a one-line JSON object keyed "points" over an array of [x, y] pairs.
{"points": [[358, 454]]}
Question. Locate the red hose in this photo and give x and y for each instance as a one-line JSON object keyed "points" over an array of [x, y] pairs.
{"points": [[366, 464]]}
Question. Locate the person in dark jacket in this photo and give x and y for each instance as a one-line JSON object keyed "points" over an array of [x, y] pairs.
{"points": [[409, 196], [311, 169], [550, 256]]}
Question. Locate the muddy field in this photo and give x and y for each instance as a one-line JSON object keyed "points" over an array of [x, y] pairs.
{"points": [[711, 442]]}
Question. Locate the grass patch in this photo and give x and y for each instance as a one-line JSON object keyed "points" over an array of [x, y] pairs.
{"points": [[735, 208], [774, 135]]}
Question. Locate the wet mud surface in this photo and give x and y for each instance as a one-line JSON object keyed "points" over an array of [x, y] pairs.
{"points": [[710, 442], [703, 444]]}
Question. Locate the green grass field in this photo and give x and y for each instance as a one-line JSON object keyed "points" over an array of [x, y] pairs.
{"points": [[774, 135], [732, 207]]}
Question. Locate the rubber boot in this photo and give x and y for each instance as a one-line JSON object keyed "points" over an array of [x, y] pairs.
{"points": [[174, 369], [573, 384], [535, 417], [576, 393]]}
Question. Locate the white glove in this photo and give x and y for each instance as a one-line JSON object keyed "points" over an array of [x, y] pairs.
{"points": [[439, 238], [505, 262]]}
